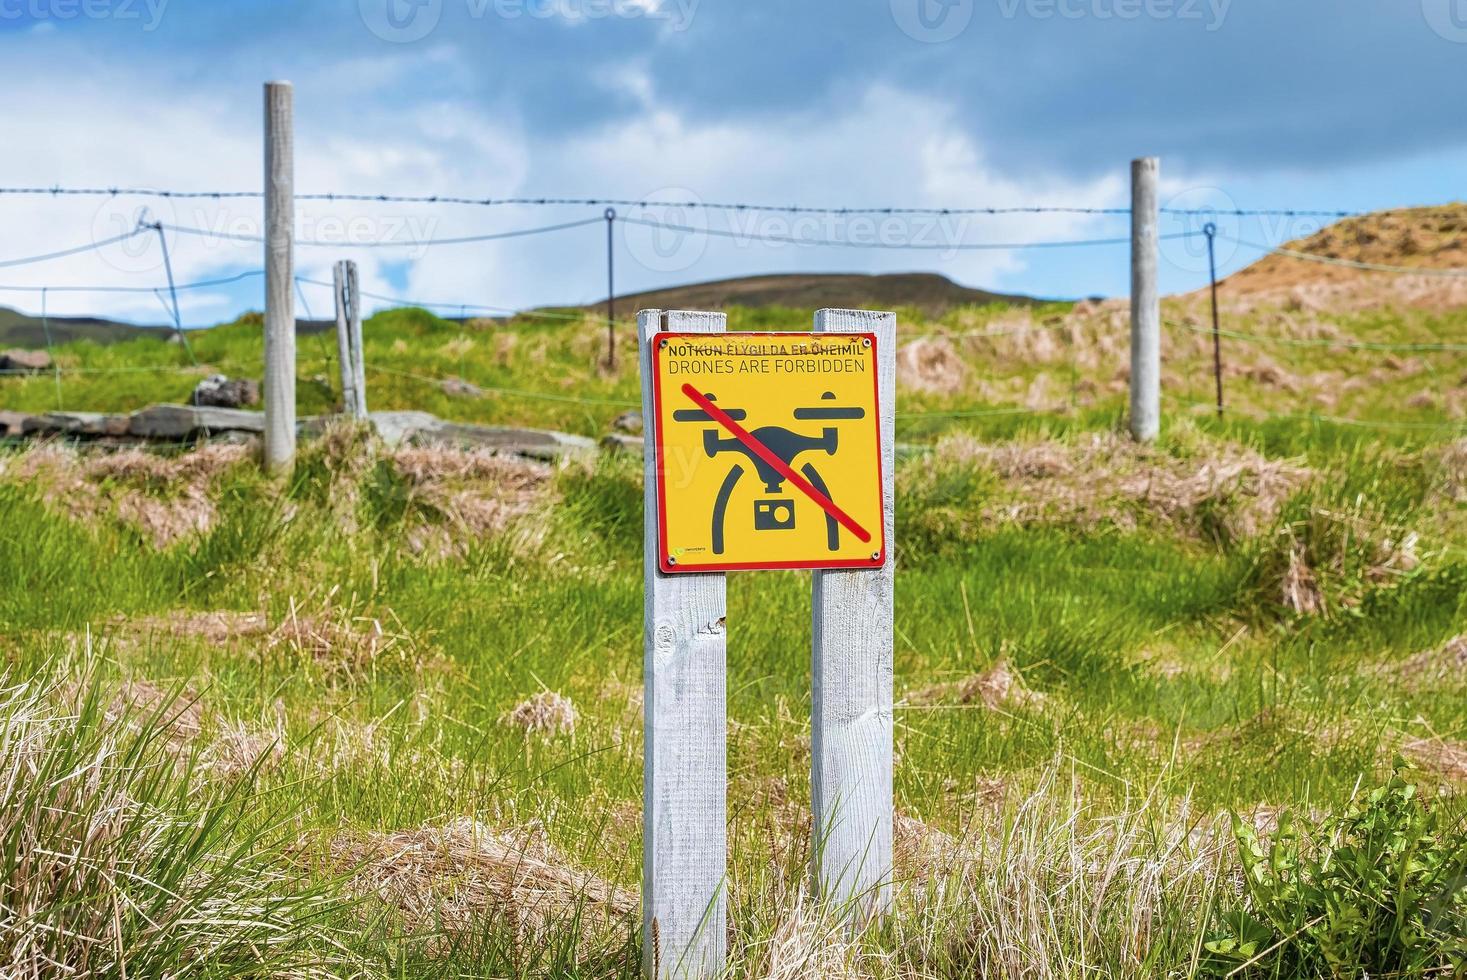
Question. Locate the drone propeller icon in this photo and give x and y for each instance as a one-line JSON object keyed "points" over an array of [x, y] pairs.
{"points": [[773, 451]]}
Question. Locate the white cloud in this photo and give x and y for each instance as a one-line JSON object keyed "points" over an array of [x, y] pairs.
{"points": [[889, 148], [140, 131], [886, 147]]}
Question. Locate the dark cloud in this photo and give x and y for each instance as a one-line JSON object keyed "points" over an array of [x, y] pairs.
{"points": [[1067, 86]]}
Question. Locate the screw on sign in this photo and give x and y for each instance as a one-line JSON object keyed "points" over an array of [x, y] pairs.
{"points": [[798, 411]]}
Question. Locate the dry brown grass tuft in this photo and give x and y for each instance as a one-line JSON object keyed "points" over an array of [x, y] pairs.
{"points": [[166, 498], [462, 874], [1300, 588], [187, 728], [339, 636], [116, 863], [1046, 877], [176, 714], [919, 851], [1452, 464], [217, 627], [239, 748], [469, 494], [998, 687], [546, 713], [807, 942], [1446, 664], [1441, 756], [931, 364], [346, 638], [1228, 491]]}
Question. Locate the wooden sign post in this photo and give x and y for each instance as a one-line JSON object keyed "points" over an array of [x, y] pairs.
{"points": [[764, 451], [684, 775], [851, 711]]}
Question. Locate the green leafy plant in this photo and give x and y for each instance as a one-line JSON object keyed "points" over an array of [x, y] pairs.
{"points": [[1378, 890]]}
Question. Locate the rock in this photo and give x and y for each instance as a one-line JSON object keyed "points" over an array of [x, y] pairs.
{"points": [[25, 360], [620, 442], [422, 429], [628, 422], [12, 424], [178, 422], [532, 443], [459, 388], [220, 391], [395, 428], [82, 424]]}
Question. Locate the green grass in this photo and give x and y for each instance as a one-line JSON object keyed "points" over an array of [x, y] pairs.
{"points": [[1158, 682], [549, 372]]}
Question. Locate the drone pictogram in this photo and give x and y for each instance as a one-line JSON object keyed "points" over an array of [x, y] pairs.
{"points": [[773, 451]]}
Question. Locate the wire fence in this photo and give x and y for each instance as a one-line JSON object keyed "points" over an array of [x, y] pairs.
{"points": [[168, 291]]}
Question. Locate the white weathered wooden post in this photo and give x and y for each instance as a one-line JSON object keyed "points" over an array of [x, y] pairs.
{"points": [[1145, 301], [349, 340], [354, 321], [851, 715], [279, 277], [684, 777], [344, 353]]}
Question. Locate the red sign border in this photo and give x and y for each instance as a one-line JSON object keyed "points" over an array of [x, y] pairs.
{"points": [[665, 562]]}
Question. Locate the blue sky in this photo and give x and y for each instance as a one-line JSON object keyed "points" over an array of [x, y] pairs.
{"points": [[927, 103]]}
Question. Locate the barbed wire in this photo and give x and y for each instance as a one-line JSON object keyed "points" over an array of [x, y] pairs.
{"points": [[1403, 270], [201, 369], [199, 284], [687, 230], [504, 311], [438, 381], [458, 240], [978, 413], [1317, 342], [1264, 416], [568, 225], [942, 334], [553, 201], [77, 250], [907, 245]]}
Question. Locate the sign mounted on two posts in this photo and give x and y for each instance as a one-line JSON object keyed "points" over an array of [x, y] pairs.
{"points": [[764, 451], [768, 451]]}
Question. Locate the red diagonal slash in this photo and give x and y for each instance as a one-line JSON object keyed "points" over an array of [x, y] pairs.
{"points": [[780, 466]]}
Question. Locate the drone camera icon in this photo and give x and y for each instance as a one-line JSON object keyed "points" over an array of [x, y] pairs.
{"points": [[776, 511]]}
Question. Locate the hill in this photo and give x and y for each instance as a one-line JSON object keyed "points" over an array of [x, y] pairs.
{"points": [[19, 329], [929, 292], [1430, 238]]}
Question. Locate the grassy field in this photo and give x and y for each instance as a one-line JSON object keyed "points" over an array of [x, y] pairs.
{"points": [[1065, 361], [1193, 709]]}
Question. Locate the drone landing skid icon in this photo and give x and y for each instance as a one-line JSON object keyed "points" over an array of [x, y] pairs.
{"points": [[775, 512]]}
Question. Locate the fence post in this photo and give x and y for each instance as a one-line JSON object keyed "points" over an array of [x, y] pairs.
{"points": [[354, 324], [611, 289], [344, 353], [1210, 230], [1145, 301], [279, 277], [684, 775], [851, 713]]}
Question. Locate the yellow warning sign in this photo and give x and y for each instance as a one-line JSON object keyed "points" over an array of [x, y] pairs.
{"points": [[768, 451]]}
